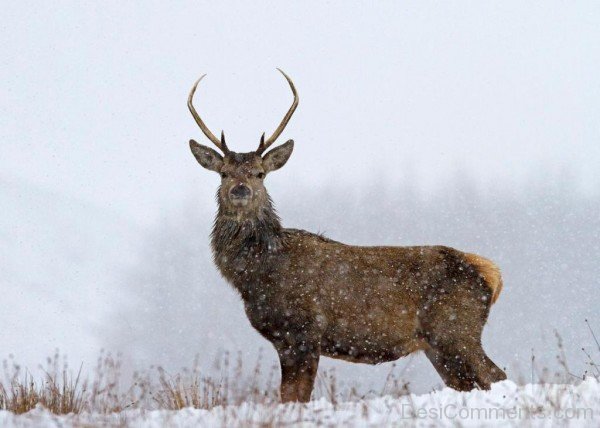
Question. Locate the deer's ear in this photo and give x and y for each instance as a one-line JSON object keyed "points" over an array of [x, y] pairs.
{"points": [[277, 157], [206, 156]]}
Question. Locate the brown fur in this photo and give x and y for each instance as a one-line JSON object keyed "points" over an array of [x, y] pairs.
{"points": [[311, 296]]}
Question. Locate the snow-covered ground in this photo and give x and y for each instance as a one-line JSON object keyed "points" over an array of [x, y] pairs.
{"points": [[507, 404]]}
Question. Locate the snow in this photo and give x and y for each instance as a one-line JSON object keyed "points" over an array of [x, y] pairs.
{"points": [[506, 404]]}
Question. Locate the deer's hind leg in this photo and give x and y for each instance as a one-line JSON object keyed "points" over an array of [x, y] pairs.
{"points": [[452, 325], [464, 366], [488, 372], [452, 371]]}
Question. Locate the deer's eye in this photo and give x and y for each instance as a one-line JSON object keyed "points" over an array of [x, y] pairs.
{"points": [[261, 175], [223, 175]]}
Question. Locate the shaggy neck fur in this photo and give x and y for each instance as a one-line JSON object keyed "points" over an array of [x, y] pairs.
{"points": [[239, 239]]}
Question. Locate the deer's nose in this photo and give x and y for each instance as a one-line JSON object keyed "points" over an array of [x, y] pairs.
{"points": [[240, 191]]}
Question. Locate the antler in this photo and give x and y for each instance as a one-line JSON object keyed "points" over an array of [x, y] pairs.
{"points": [[264, 144], [220, 144]]}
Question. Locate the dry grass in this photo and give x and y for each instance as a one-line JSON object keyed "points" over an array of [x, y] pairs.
{"points": [[63, 391], [566, 374], [192, 389]]}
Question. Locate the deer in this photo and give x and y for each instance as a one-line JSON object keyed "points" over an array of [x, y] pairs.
{"points": [[311, 296]]}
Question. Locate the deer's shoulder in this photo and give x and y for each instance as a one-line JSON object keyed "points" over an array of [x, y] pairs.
{"points": [[297, 236]]}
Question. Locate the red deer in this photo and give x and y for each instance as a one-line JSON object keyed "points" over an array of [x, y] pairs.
{"points": [[311, 296]]}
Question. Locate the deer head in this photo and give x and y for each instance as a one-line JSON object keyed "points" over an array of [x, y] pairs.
{"points": [[242, 174]]}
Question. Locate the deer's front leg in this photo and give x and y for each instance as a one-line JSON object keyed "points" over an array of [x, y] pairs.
{"points": [[295, 333], [299, 363]]}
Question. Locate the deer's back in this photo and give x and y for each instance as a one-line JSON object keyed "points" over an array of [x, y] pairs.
{"points": [[386, 272]]}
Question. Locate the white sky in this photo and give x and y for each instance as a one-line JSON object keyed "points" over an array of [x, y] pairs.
{"points": [[93, 97]]}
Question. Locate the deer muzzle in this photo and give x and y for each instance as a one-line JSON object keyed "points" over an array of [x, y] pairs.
{"points": [[240, 194]]}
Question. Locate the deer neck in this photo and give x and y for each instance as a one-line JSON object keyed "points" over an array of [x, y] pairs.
{"points": [[244, 242]]}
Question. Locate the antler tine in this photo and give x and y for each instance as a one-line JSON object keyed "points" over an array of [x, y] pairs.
{"points": [[223, 141], [220, 144], [264, 144]]}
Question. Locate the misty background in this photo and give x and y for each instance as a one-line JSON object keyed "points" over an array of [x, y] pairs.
{"points": [[469, 125]]}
